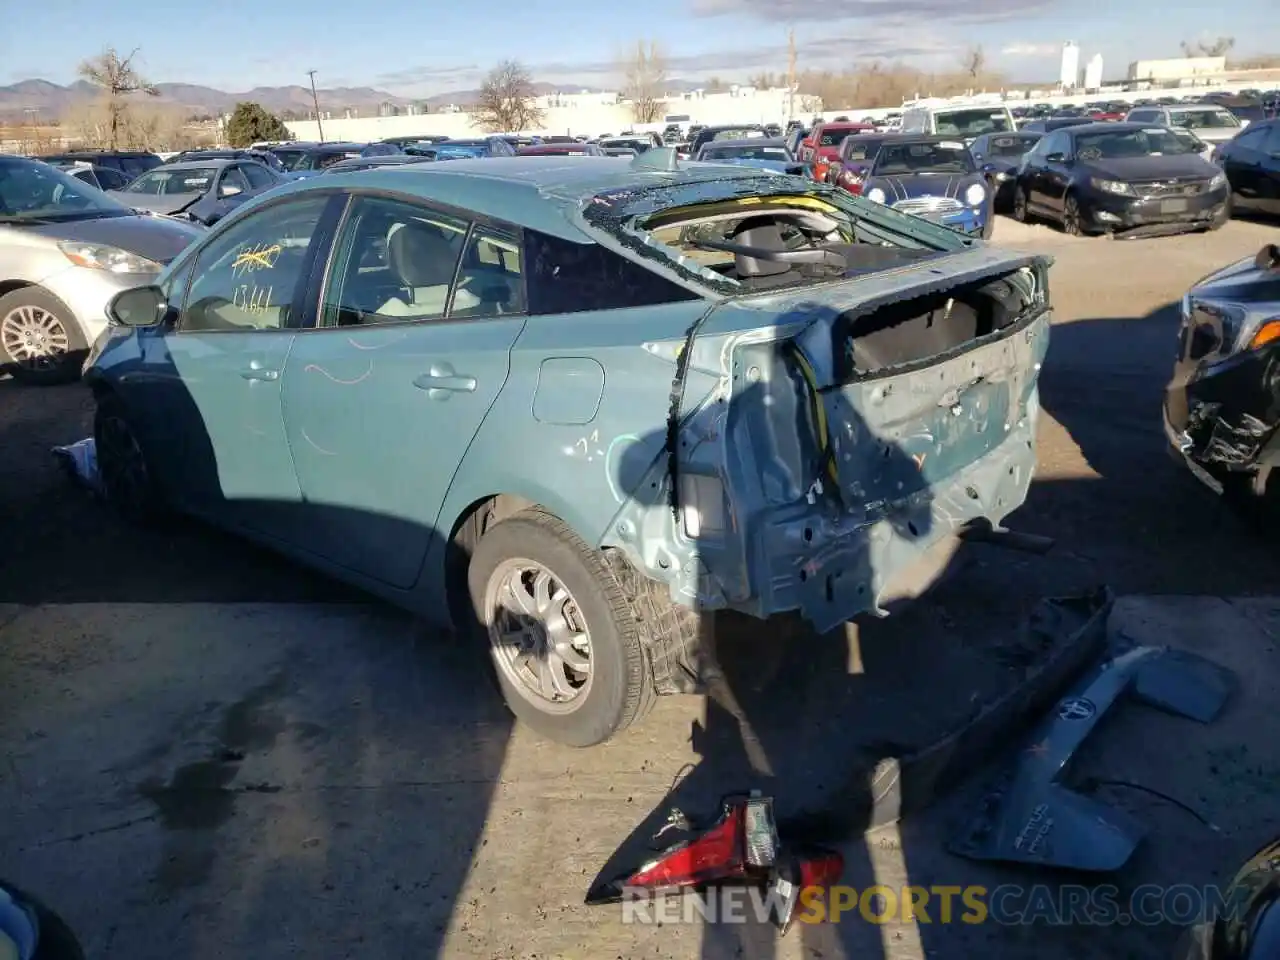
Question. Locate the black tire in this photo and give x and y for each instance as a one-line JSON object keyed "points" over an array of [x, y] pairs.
{"points": [[1224, 215], [1072, 224], [621, 689], [62, 366], [1020, 211], [134, 496]]}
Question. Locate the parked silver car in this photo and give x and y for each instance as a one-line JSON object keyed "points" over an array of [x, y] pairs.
{"points": [[1208, 121], [66, 249]]}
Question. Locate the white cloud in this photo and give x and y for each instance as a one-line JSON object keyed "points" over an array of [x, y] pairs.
{"points": [[1029, 50]]}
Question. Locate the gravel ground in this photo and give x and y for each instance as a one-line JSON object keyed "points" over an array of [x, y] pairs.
{"points": [[369, 772]]}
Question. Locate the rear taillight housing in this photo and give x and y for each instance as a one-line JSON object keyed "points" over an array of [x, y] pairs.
{"points": [[741, 846]]}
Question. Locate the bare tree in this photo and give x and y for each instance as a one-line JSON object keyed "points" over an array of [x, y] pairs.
{"points": [[117, 78], [974, 62], [645, 79], [1208, 48], [507, 101]]}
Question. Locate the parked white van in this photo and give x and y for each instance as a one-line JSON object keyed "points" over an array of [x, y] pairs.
{"points": [[966, 121]]}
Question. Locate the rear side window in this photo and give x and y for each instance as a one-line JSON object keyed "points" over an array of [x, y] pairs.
{"points": [[259, 176], [566, 277]]}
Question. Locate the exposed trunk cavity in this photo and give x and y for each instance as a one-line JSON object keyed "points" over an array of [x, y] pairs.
{"points": [[928, 326]]}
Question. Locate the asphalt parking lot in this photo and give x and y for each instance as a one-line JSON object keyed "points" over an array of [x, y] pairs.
{"points": [[209, 751]]}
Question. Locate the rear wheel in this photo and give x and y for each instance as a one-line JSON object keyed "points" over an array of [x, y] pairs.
{"points": [[39, 338], [564, 643]]}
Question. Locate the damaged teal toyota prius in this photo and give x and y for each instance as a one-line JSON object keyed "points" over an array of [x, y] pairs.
{"points": [[566, 403]]}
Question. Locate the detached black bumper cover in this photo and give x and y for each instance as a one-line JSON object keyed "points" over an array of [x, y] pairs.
{"points": [[1032, 818]]}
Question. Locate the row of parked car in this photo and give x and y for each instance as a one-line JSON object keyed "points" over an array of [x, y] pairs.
{"points": [[957, 165]]}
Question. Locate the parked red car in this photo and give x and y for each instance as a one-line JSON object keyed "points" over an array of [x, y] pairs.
{"points": [[824, 140], [848, 163]]}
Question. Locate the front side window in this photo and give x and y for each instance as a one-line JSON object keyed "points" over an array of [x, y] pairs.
{"points": [[258, 175], [395, 262], [245, 277], [232, 183]]}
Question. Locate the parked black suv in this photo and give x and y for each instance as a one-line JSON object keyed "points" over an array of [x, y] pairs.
{"points": [[132, 163]]}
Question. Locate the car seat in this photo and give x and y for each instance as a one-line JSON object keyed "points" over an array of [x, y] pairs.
{"points": [[424, 260]]}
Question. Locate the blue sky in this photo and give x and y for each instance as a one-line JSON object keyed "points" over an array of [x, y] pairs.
{"points": [[410, 48]]}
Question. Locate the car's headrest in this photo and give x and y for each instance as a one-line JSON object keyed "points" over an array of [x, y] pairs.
{"points": [[421, 255], [762, 233]]}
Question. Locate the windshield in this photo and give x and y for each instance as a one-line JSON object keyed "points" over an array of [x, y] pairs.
{"points": [[947, 156], [831, 138], [1202, 118], [778, 154], [971, 123], [1009, 146], [738, 133], [162, 182], [1121, 144], [32, 191]]}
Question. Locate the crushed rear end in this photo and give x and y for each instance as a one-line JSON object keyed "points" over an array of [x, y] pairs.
{"points": [[824, 437]]}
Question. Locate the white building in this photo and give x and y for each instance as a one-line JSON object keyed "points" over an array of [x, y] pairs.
{"points": [[589, 114], [1093, 73], [1069, 75], [1177, 68]]}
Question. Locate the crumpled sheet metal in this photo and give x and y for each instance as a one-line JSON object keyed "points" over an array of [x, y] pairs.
{"points": [[1033, 818], [80, 460]]}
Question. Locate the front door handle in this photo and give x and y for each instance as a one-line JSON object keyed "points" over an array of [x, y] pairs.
{"points": [[443, 380], [258, 373]]}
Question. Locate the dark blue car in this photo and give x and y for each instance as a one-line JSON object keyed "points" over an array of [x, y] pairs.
{"points": [[998, 155], [935, 178]]}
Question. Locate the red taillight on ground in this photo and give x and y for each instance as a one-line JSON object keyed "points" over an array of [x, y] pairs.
{"points": [[741, 846]]}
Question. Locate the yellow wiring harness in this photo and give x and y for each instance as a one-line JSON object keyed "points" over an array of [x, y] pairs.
{"points": [[819, 414]]}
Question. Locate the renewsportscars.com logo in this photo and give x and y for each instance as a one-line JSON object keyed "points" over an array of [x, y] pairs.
{"points": [[1007, 905]]}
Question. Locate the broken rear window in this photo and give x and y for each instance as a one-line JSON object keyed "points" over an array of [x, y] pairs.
{"points": [[744, 235]]}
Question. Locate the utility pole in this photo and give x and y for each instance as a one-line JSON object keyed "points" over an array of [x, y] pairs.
{"points": [[791, 75], [315, 100]]}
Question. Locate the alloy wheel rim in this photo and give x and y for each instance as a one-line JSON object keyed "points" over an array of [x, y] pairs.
{"points": [[1071, 218], [538, 636], [33, 337]]}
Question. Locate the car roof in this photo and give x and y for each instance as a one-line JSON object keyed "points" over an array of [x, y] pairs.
{"points": [[747, 142], [1103, 126], [541, 193], [216, 163]]}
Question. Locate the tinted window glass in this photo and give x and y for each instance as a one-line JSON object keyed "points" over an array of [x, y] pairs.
{"points": [[111, 179], [259, 176], [971, 123], [396, 262], [566, 277], [245, 277], [232, 177], [489, 281]]}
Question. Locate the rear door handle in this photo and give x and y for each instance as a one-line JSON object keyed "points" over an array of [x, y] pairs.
{"points": [[258, 373], [443, 380]]}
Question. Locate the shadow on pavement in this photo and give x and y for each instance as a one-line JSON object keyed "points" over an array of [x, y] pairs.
{"points": [[1144, 521]]}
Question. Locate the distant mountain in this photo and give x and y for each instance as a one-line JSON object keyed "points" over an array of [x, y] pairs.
{"points": [[40, 98], [48, 100]]}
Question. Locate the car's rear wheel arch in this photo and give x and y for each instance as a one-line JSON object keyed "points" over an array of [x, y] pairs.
{"points": [[464, 534]]}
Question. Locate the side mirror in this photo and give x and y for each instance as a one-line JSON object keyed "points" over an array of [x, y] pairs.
{"points": [[1056, 158], [988, 168], [138, 307], [229, 190]]}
